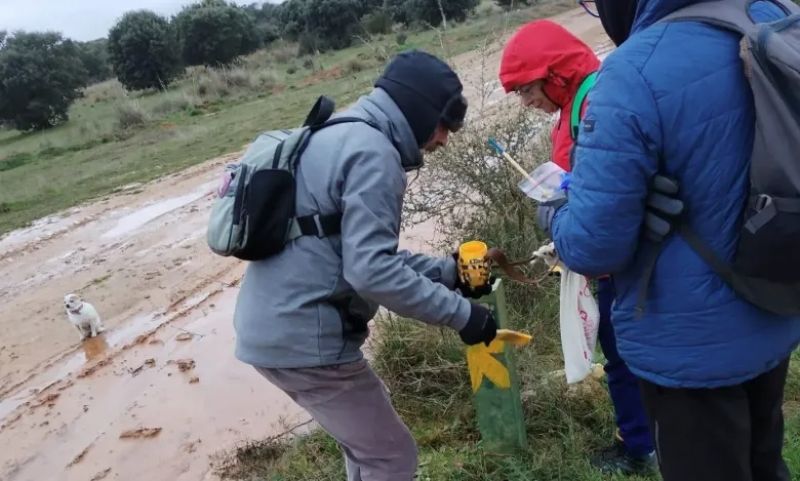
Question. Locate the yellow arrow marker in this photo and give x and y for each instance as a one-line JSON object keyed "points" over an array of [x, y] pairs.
{"points": [[482, 363], [515, 338]]}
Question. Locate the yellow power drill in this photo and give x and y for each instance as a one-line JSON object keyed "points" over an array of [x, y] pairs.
{"points": [[474, 268]]}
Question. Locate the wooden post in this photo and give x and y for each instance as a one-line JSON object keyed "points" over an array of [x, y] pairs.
{"points": [[498, 404]]}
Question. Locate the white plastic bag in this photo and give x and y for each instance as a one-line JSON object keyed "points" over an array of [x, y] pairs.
{"points": [[580, 319]]}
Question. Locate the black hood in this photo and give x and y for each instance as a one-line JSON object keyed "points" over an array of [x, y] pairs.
{"points": [[617, 18], [426, 90]]}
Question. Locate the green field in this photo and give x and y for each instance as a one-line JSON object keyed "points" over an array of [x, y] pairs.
{"points": [[114, 138]]}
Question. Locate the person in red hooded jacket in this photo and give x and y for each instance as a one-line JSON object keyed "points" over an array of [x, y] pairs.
{"points": [[551, 69], [545, 65]]}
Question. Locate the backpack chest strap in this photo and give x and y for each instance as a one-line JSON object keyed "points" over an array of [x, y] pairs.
{"points": [[577, 104], [316, 225]]}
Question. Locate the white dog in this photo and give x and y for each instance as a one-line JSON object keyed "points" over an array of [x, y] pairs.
{"points": [[83, 316]]}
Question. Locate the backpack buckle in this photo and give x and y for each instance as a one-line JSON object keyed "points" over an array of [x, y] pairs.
{"points": [[765, 211], [762, 202], [320, 227]]}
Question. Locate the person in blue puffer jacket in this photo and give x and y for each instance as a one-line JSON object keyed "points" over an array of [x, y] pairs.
{"points": [[673, 99]]}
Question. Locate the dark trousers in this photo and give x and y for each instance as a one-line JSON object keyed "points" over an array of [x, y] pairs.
{"points": [[733, 433], [623, 386]]}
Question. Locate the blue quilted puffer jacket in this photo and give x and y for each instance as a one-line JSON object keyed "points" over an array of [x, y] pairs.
{"points": [[675, 92]]}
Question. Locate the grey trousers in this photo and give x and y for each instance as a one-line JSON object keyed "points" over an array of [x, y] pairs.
{"points": [[351, 403]]}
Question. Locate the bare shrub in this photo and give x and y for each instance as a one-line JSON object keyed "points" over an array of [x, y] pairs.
{"points": [[237, 77], [284, 52], [130, 114], [354, 66], [172, 104], [470, 192], [210, 83], [266, 80], [258, 59], [104, 91]]}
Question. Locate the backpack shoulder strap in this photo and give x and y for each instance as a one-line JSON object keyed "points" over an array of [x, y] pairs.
{"points": [[343, 120], [577, 104], [321, 111], [314, 128], [320, 225], [729, 14], [776, 297]]}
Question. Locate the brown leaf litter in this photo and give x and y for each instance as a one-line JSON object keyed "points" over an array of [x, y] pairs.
{"points": [[140, 433], [183, 364]]}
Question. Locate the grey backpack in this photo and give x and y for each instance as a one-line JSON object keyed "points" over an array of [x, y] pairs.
{"points": [[766, 268], [254, 215]]}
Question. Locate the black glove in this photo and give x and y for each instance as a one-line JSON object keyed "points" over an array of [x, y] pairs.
{"points": [[481, 326], [467, 290], [546, 212], [664, 209]]}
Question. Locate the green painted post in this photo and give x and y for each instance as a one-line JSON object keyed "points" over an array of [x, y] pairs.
{"points": [[499, 411]]}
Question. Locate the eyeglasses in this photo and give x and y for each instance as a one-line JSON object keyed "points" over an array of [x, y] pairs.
{"points": [[590, 6], [524, 90]]}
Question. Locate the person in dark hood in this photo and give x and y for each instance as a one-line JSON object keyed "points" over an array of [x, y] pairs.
{"points": [[673, 100], [546, 66], [617, 18], [301, 315]]}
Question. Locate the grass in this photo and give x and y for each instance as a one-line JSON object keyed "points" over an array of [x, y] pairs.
{"points": [[205, 114], [427, 375]]}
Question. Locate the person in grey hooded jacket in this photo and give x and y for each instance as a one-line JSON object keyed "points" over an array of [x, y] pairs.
{"points": [[301, 316]]}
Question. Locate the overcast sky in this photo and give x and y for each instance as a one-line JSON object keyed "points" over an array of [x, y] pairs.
{"points": [[80, 19]]}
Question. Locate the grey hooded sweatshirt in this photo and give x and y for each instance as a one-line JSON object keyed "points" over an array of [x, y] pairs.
{"points": [[309, 305]]}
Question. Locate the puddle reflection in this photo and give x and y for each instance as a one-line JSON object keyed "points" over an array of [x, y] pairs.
{"points": [[95, 347]]}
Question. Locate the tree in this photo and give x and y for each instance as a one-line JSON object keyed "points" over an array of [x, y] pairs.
{"points": [[268, 32], [267, 18], [144, 51], [94, 56], [334, 22], [509, 4], [377, 22], [398, 11], [41, 74], [292, 15], [431, 12], [215, 33], [322, 24]]}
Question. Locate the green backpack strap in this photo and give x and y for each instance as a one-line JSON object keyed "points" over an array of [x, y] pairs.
{"points": [[577, 104]]}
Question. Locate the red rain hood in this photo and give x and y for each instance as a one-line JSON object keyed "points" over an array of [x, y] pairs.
{"points": [[545, 50]]}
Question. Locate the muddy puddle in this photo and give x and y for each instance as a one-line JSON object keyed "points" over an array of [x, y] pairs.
{"points": [[135, 220]]}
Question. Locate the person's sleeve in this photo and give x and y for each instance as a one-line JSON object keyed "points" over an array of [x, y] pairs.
{"points": [[438, 269], [371, 207], [597, 232]]}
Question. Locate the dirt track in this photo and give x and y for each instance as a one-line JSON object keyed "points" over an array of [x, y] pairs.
{"points": [[140, 257]]}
